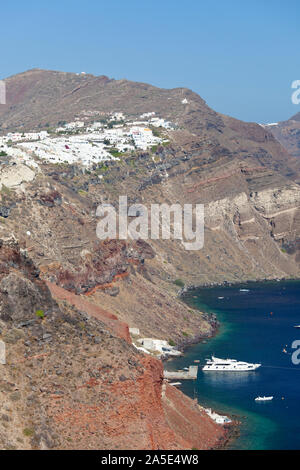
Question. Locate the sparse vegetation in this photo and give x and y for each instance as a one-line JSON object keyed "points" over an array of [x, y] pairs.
{"points": [[28, 432], [101, 168], [82, 192], [40, 313], [116, 153], [156, 132], [5, 190], [179, 282]]}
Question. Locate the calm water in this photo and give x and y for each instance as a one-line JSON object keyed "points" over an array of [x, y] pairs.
{"points": [[250, 332]]}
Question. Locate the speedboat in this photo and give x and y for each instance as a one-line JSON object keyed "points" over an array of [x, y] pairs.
{"points": [[264, 398], [231, 365], [297, 326]]}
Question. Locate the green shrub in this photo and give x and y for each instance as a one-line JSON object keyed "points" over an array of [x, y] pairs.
{"points": [[171, 342], [179, 283], [40, 313], [82, 192], [5, 190], [156, 132], [115, 153]]}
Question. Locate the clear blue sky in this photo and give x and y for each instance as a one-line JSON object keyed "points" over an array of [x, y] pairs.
{"points": [[241, 56]]}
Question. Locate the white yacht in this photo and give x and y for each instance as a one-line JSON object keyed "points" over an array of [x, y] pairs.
{"points": [[264, 398], [231, 365]]}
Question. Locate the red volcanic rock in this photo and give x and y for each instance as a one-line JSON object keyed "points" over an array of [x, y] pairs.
{"points": [[146, 413], [118, 327], [93, 390], [189, 422], [141, 414]]}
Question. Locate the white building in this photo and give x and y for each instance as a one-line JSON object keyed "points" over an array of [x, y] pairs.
{"points": [[159, 345], [219, 419], [134, 331]]}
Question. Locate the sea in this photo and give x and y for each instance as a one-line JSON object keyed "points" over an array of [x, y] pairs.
{"points": [[257, 324]]}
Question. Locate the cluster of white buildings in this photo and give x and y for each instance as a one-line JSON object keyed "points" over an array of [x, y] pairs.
{"points": [[13, 137], [73, 125], [75, 142], [70, 149], [159, 347], [159, 122], [143, 137]]}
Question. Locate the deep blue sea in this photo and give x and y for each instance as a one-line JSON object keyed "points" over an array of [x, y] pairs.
{"points": [[250, 332]]}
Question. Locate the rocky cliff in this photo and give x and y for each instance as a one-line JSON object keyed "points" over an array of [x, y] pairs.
{"points": [[288, 134], [72, 382], [239, 171]]}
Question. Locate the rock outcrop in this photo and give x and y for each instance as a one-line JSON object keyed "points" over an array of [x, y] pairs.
{"points": [[71, 381]]}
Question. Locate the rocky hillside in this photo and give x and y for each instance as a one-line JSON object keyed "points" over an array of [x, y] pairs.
{"points": [[40, 98], [71, 382], [238, 170], [288, 134]]}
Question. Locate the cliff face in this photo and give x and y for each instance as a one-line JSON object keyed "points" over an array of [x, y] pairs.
{"points": [[67, 298], [239, 171], [70, 382], [142, 414], [288, 134]]}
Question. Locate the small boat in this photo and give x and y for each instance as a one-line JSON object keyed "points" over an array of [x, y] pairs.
{"points": [[244, 290], [220, 298], [264, 398], [297, 326], [175, 383]]}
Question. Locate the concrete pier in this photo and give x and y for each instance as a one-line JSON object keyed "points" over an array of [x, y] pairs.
{"points": [[190, 374]]}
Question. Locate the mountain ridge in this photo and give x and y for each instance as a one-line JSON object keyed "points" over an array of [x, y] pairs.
{"points": [[244, 177]]}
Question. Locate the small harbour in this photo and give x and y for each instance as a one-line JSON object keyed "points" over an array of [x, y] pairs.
{"points": [[256, 325]]}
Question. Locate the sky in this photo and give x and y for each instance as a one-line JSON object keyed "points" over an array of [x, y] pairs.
{"points": [[241, 56]]}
